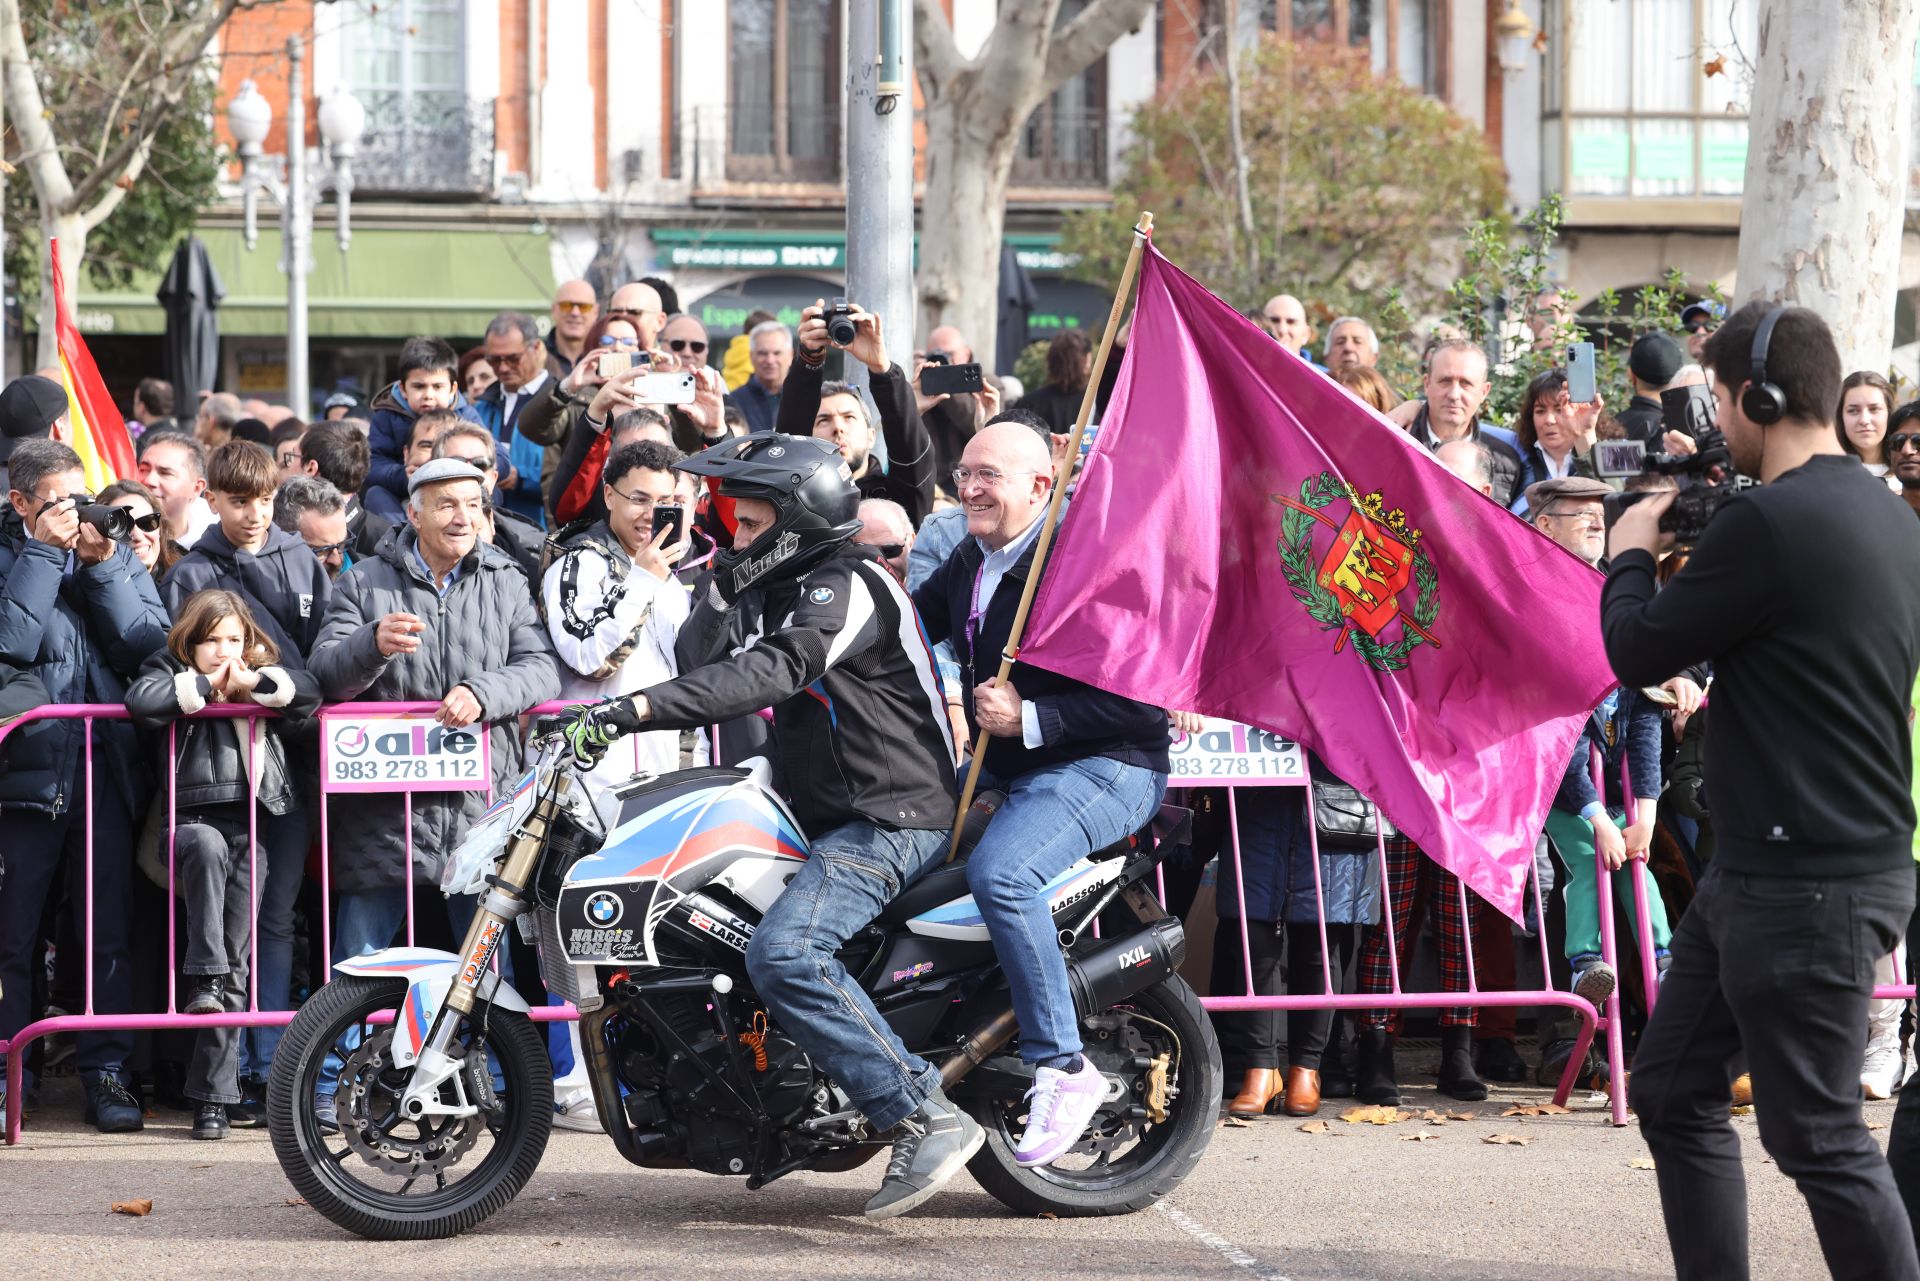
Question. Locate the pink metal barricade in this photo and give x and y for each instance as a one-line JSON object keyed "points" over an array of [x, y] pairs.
{"points": [[88, 1019], [1397, 998]]}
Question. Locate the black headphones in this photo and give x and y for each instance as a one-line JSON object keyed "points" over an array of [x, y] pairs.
{"points": [[1762, 402]]}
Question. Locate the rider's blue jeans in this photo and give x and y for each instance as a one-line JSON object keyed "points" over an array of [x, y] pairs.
{"points": [[851, 873], [1052, 818]]}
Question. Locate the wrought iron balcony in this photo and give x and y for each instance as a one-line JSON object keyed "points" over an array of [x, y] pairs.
{"points": [[419, 144], [755, 142], [1062, 149]]}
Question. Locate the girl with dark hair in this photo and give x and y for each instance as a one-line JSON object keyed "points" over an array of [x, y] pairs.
{"points": [[1860, 421], [218, 653], [1069, 364], [1553, 433]]}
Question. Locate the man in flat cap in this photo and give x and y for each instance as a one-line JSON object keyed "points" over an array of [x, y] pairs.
{"points": [[1569, 511]]}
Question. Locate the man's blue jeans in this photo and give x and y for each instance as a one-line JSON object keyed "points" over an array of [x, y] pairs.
{"points": [[1053, 818], [851, 873]]}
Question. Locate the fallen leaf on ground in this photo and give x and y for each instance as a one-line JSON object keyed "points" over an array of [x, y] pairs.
{"points": [[1640, 1163], [1374, 1115], [1537, 1109], [204, 1166], [1461, 1116], [1741, 1111], [1315, 1127], [1431, 1115], [1235, 1123], [1045, 1214], [296, 1200], [137, 1209], [1507, 1140], [1420, 1137], [1875, 1125]]}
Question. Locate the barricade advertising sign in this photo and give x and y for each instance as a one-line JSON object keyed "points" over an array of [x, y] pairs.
{"points": [[402, 754], [1229, 754]]}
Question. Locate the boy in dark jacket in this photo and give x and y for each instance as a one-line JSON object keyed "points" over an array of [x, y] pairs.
{"points": [[428, 367], [1625, 727], [283, 583]]}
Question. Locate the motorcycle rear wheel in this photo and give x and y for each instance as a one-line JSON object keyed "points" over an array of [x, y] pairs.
{"points": [[341, 1175], [1121, 1165]]}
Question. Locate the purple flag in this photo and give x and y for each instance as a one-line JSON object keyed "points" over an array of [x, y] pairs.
{"points": [[1249, 541]]}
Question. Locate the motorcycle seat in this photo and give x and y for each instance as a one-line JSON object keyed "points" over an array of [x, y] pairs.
{"points": [[945, 883]]}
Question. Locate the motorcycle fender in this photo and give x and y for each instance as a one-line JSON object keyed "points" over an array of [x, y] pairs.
{"points": [[429, 974]]}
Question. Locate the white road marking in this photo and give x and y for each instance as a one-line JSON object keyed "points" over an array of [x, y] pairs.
{"points": [[1218, 1244]]}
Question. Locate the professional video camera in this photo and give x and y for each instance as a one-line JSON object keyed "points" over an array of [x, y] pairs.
{"points": [[1706, 477]]}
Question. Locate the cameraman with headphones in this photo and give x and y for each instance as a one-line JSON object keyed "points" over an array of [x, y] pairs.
{"points": [[1805, 595]]}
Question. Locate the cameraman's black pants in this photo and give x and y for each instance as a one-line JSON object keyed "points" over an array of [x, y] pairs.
{"points": [[1782, 966]]}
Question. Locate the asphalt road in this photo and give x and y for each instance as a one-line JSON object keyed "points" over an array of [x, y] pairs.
{"points": [[1268, 1202]]}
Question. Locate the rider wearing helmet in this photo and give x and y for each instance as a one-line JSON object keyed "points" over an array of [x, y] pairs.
{"points": [[795, 617]]}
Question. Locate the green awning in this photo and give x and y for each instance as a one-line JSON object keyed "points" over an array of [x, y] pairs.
{"points": [[389, 284], [756, 249]]}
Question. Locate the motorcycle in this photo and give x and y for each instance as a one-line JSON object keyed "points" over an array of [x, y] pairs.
{"points": [[443, 1091]]}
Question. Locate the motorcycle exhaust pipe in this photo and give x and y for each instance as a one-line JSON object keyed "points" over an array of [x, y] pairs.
{"points": [[1118, 968]]}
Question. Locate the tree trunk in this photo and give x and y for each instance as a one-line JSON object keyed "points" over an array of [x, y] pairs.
{"points": [[1827, 161], [966, 206], [72, 232]]}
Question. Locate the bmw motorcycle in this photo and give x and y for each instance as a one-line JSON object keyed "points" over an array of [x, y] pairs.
{"points": [[444, 1094]]}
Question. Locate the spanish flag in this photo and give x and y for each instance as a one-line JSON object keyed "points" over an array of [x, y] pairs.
{"points": [[98, 433]]}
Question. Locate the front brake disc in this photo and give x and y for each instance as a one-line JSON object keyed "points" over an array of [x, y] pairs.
{"points": [[369, 1097]]}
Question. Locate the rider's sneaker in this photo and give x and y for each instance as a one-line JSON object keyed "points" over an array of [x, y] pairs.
{"points": [[574, 1110], [932, 1145], [1063, 1104]]}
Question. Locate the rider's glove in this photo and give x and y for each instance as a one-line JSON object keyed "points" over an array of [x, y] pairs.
{"points": [[593, 729]]}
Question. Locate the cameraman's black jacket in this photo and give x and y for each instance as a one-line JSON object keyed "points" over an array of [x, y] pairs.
{"points": [[1805, 593], [1076, 720], [859, 720]]}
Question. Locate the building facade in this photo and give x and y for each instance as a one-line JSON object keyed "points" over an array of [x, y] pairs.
{"points": [[512, 144]]}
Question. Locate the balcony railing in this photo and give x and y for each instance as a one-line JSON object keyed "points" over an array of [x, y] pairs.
{"points": [[752, 142], [417, 144], [1062, 149]]}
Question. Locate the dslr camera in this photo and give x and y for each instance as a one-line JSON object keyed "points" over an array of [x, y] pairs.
{"points": [[1706, 477], [840, 326]]}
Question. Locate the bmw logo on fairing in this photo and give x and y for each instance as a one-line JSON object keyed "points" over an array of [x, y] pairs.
{"points": [[605, 908], [778, 451]]}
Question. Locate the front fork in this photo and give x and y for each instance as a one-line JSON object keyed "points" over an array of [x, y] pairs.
{"points": [[508, 898]]}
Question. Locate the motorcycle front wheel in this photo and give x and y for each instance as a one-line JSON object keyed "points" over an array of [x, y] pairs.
{"points": [[389, 1178], [1162, 1063]]}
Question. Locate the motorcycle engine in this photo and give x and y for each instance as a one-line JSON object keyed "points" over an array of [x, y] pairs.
{"points": [[673, 1092]]}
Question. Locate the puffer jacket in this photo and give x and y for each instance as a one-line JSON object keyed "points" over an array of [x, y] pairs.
{"points": [[484, 634], [284, 584], [1276, 859], [209, 752], [389, 427], [83, 630]]}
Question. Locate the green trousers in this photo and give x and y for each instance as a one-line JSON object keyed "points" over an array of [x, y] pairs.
{"points": [[1573, 836]]}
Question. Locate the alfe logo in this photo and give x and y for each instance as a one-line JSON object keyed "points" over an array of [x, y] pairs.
{"points": [[351, 741]]}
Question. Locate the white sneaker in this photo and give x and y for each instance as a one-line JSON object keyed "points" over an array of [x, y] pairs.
{"points": [[574, 1110], [1880, 1070], [1062, 1104]]}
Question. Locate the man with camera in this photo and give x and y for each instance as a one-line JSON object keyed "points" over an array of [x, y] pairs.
{"points": [[834, 411], [1805, 595], [81, 613]]}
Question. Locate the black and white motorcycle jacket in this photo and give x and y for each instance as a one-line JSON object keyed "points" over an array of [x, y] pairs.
{"points": [[859, 716]]}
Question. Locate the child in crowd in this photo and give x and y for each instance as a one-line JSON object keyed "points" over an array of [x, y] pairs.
{"points": [[1626, 726], [218, 653], [428, 367]]}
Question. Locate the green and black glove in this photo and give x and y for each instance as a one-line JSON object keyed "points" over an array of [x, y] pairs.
{"points": [[593, 729]]}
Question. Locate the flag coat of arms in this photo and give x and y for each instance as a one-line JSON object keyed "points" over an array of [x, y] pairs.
{"points": [[1249, 541]]}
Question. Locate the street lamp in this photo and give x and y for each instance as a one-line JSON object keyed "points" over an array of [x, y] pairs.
{"points": [[1513, 31], [342, 122]]}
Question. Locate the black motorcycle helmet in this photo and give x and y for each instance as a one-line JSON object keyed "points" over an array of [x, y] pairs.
{"points": [[816, 507]]}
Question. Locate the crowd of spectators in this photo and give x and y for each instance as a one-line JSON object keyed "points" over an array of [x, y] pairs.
{"points": [[484, 535]]}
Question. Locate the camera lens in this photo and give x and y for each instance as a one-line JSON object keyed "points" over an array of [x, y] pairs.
{"points": [[115, 522], [840, 328]]}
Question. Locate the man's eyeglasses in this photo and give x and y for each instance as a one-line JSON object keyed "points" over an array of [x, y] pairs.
{"points": [[987, 476], [324, 550], [630, 311], [1593, 518], [1276, 320], [687, 344], [507, 359], [1699, 327], [638, 499], [484, 464], [888, 551], [1900, 440], [577, 308]]}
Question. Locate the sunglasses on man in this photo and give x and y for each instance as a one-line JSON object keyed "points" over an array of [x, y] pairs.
{"points": [[577, 308], [1900, 440], [686, 344]]}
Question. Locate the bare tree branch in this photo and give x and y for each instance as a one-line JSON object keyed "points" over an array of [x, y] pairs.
{"points": [[935, 55], [1088, 37]]}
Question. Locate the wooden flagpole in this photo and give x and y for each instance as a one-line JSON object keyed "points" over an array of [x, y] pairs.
{"points": [[1142, 232]]}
